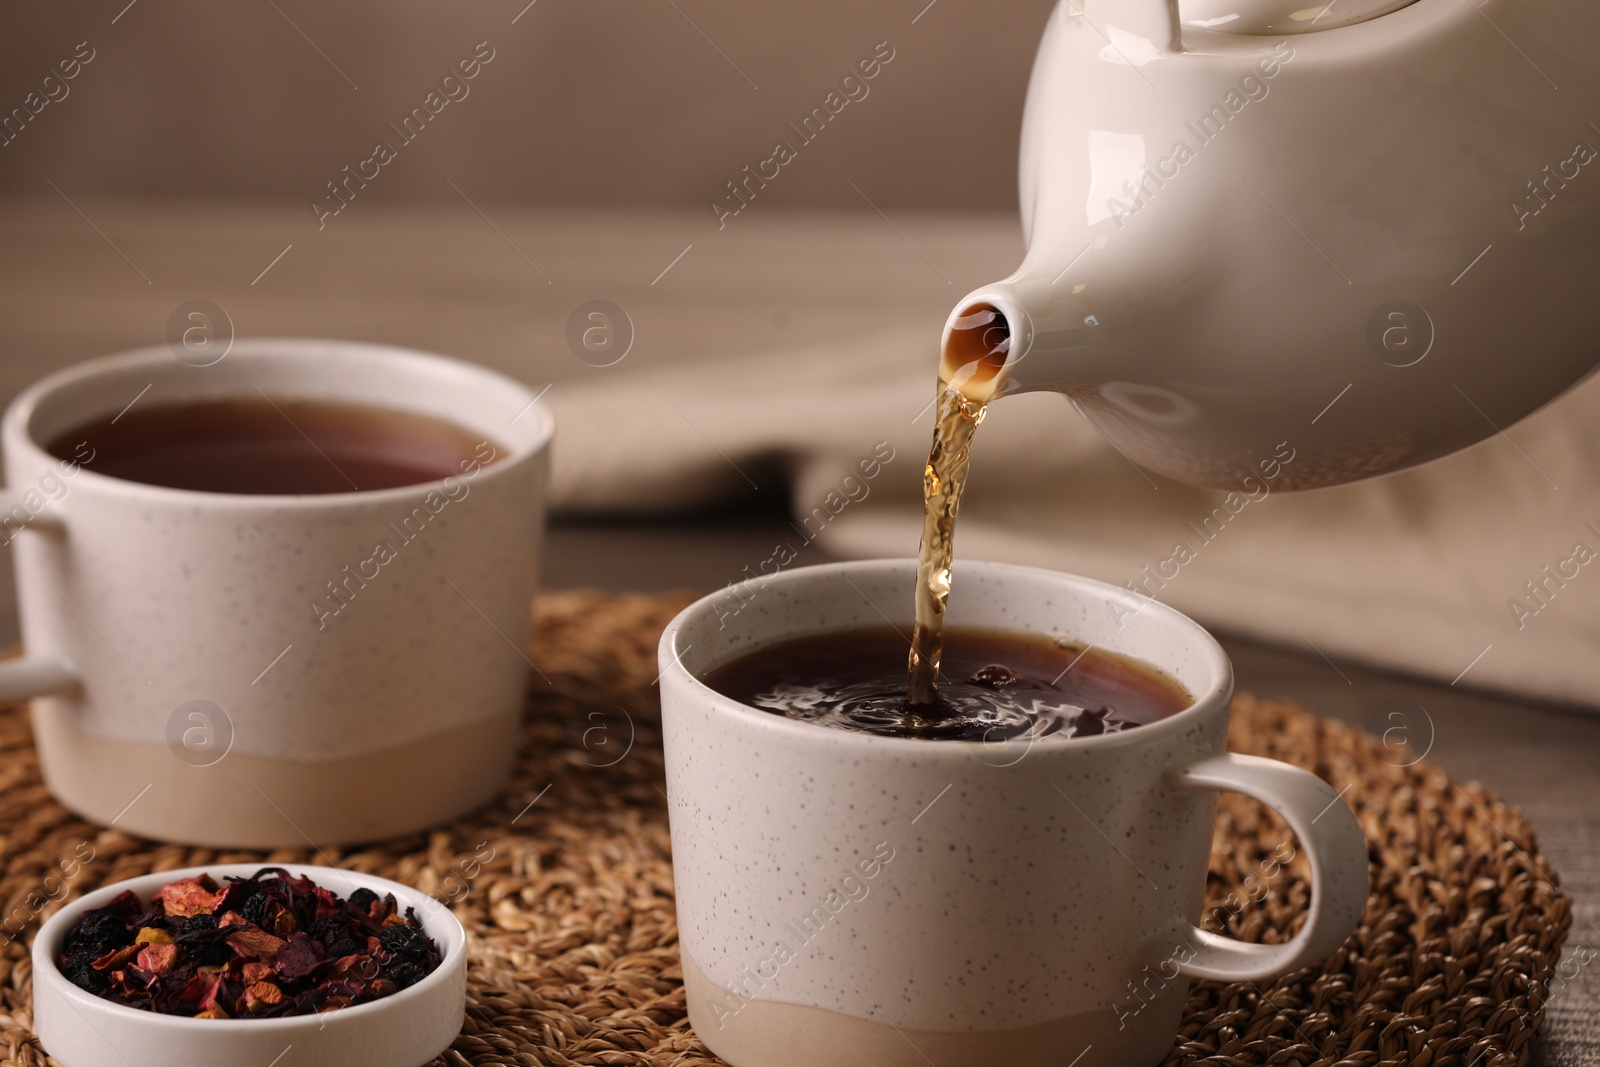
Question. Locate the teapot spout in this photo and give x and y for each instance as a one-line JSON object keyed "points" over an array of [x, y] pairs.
{"points": [[986, 336], [1025, 333]]}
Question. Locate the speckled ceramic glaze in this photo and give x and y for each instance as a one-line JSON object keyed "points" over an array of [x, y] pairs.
{"points": [[251, 670], [848, 899]]}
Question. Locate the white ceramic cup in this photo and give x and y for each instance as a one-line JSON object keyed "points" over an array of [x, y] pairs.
{"points": [[259, 671], [850, 899], [406, 1029]]}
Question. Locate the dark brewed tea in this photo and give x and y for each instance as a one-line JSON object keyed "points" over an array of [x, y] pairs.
{"points": [[994, 685], [275, 446]]}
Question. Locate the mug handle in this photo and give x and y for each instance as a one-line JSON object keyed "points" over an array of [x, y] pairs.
{"points": [[33, 676], [1328, 831]]}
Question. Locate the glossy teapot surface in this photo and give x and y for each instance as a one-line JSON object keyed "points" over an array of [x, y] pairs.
{"points": [[1367, 245]]}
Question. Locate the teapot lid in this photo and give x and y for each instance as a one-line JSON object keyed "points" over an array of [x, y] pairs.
{"points": [[1280, 16]]}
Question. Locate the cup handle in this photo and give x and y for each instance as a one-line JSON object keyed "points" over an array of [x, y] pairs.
{"points": [[1328, 831], [31, 676], [34, 676]]}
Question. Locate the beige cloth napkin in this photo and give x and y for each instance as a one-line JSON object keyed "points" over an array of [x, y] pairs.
{"points": [[1431, 571]]}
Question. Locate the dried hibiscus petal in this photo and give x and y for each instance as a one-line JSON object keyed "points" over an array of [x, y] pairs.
{"points": [[235, 893], [298, 957], [270, 945], [200, 991], [133, 978], [126, 906]]}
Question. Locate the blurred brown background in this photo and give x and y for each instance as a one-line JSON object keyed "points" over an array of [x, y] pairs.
{"points": [[650, 102]]}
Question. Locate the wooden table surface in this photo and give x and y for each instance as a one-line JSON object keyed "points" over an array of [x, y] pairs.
{"points": [[83, 278]]}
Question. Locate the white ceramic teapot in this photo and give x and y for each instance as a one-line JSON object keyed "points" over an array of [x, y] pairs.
{"points": [[1362, 233]]}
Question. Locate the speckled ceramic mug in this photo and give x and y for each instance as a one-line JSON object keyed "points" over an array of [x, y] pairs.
{"points": [[241, 670], [850, 900]]}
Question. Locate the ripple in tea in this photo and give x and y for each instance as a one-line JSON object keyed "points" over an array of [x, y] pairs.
{"points": [[994, 686]]}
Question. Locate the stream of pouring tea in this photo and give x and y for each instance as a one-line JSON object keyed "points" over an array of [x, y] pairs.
{"points": [[975, 351]]}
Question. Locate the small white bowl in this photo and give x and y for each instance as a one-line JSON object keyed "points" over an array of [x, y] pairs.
{"points": [[406, 1029]]}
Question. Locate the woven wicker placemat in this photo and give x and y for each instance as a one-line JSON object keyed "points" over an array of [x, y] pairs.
{"points": [[566, 886]]}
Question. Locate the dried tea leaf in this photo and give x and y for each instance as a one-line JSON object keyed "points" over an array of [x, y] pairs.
{"points": [[266, 946]]}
